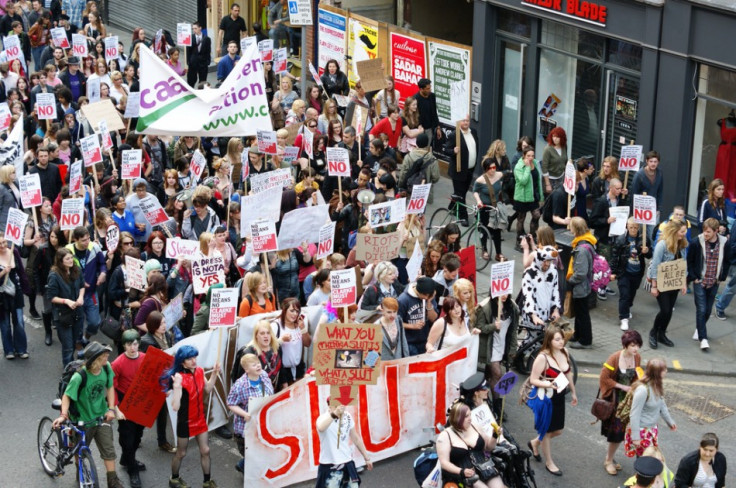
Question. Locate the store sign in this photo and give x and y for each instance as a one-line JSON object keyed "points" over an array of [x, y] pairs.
{"points": [[585, 11]]}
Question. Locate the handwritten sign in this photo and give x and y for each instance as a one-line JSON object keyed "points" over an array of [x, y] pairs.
{"points": [[381, 247], [75, 177], [347, 354], [672, 275], [645, 209], [502, 279], [506, 383], [174, 311], [483, 419], [79, 46], [145, 397], [112, 237], [152, 210], [72, 213], [206, 272], [15, 226], [58, 37], [326, 244], [91, 151], [263, 233], [419, 197], [184, 34], [343, 290], [414, 266], [133, 107], [30, 190], [630, 158], [372, 74], [569, 181], [178, 248], [223, 307], [266, 141], [46, 106], [130, 168], [265, 205], [135, 274], [111, 48], [338, 161]]}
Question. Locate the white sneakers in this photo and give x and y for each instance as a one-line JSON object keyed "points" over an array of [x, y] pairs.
{"points": [[704, 344], [624, 324], [695, 335]]}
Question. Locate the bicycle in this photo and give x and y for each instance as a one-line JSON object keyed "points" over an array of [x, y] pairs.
{"points": [[476, 232], [59, 447], [529, 347]]}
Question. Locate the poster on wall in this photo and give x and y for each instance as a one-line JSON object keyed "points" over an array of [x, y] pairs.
{"points": [[362, 46], [331, 28], [408, 63], [448, 64]]}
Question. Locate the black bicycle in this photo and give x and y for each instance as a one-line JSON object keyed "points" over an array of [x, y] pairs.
{"points": [[530, 342]]}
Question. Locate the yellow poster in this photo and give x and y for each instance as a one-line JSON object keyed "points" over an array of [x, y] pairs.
{"points": [[362, 46]]}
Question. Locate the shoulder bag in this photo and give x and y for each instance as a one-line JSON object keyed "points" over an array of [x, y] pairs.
{"points": [[603, 409], [483, 466], [497, 218]]}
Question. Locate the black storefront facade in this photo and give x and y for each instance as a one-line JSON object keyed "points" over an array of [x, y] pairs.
{"points": [[662, 74]]}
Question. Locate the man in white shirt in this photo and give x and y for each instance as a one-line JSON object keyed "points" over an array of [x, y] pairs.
{"points": [[10, 79], [462, 172]]}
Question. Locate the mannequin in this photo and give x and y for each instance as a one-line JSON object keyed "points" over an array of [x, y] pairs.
{"points": [[726, 157]]}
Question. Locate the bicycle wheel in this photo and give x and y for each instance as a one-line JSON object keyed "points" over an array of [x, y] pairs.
{"points": [[574, 367], [49, 446], [440, 218], [88, 471], [475, 238]]}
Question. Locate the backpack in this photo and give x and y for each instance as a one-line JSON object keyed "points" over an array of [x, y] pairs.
{"points": [[623, 410], [417, 173], [424, 465], [601, 271], [76, 366]]}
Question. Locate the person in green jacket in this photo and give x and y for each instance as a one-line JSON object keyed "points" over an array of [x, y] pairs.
{"points": [[527, 193]]}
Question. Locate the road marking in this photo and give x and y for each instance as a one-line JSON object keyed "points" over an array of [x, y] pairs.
{"points": [[676, 364], [674, 382]]}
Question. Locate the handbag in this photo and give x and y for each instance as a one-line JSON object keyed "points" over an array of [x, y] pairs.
{"points": [[65, 315], [111, 328], [8, 286], [602, 409], [569, 310], [484, 467]]}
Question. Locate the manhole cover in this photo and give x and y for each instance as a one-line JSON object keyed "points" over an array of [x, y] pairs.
{"points": [[700, 409]]}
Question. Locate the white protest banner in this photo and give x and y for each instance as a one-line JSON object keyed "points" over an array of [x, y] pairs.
{"points": [[75, 177], [300, 12], [266, 141], [30, 190], [207, 272], [302, 224], [15, 226], [5, 117], [280, 178], [91, 151], [326, 240], [247, 42], [46, 106], [58, 37], [133, 107], [381, 247], [290, 154], [262, 205], [223, 307], [11, 150], [332, 35], [130, 168], [135, 274], [265, 50], [343, 291], [570, 175], [152, 210], [308, 143], [387, 213], [502, 279], [12, 47], [105, 135], [79, 46], [197, 166], [169, 106], [72, 213], [178, 248], [263, 233], [645, 209], [338, 161], [111, 48], [630, 158], [414, 265], [112, 236], [183, 34], [419, 198], [279, 60], [174, 311], [618, 226]]}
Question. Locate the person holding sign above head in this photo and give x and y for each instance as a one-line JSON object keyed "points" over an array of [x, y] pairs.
{"points": [[628, 264], [649, 180]]}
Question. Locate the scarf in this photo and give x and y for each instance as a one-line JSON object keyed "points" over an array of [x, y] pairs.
{"points": [[587, 237]]}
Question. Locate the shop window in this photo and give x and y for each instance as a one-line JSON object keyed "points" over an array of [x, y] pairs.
{"points": [[624, 54], [572, 40], [514, 23]]}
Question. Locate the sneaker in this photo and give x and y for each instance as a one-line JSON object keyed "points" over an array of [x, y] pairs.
{"points": [[610, 291], [177, 483], [23, 355], [695, 335], [167, 447], [720, 315], [10, 356], [209, 484], [631, 315], [602, 295], [704, 344], [624, 324]]}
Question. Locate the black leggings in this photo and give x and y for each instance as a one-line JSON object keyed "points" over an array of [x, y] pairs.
{"points": [[533, 225], [495, 233], [666, 301]]}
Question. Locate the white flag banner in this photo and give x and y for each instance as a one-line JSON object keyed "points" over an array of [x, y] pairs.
{"points": [[11, 151], [168, 106]]}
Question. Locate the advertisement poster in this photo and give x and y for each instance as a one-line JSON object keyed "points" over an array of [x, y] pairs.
{"points": [[362, 46], [408, 64], [331, 29]]}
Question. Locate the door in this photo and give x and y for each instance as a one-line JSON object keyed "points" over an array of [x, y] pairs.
{"points": [[622, 114], [512, 66]]}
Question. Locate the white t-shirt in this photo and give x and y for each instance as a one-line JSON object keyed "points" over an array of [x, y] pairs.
{"points": [[291, 350], [472, 150], [329, 453]]}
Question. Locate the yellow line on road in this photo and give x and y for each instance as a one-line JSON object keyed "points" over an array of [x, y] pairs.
{"points": [[676, 364], [674, 382]]}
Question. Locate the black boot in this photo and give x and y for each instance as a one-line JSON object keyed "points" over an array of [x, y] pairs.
{"points": [[32, 300], [47, 327], [665, 340], [653, 339], [511, 221]]}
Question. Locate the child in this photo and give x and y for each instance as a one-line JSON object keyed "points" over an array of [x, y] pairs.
{"points": [[254, 383]]}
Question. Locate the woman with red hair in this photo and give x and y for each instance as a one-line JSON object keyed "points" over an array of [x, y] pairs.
{"points": [[554, 159]]}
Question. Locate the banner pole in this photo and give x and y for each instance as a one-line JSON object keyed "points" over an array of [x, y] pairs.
{"points": [[339, 187]]}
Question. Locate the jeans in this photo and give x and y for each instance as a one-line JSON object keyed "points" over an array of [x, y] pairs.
{"points": [[13, 333], [583, 328], [68, 337], [704, 300], [36, 52], [728, 292], [92, 313], [666, 301], [628, 283]]}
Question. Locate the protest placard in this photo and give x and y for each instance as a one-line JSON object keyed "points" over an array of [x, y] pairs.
{"points": [[173, 312], [506, 383], [58, 37], [266, 141], [645, 209], [103, 110], [483, 419], [93, 90], [618, 226], [265, 48], [308, 143], [372, 74], [91, 151], [448, 64], [223, 307], [381, 247], [569, 181], [630, 158], [262, 205], [111, 48], [145, 397], [132, 160], [72, 213], [467, 266], [263, 235], [15, 226], [105, 136], [326, 244], [133, 107], [338, 161], [207, 271], [343, 290], [290, 154], [79, 46], [178, 248], [183, 34], [419, 197], [246, 42], [302, 225], [197, 166], [332, 34], [5, 116], [387, 213], [279, 61], [30, 190], [46, 106], [315, 75], [414, 265], [152, 210], [347, 354], [75, 177], [342, 101], [112, 237], [502, 279], [12, 47], [672, 275], [135, 275], [459, 100]]}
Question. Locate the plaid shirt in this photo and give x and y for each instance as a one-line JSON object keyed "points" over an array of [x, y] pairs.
{"points": [[74, 9], [242, 391], [711, 264]]}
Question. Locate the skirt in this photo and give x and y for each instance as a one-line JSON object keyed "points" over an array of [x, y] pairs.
{"points": [[648, 437], [526, 206]]}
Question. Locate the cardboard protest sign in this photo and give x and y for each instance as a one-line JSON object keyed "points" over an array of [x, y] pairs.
{"points": [[223, 307], [414, 265], [207, 271], [266, 141], [197, 166], [152, 210], [5, 116], [91, 151], [246, 42], [302, 224], [265, 48], [30, 190], [459, 99], [12, 47], [75, 177], [672, 275], [263, 205], [502, 279], [381, 247], [387, 213], [621, 214], [46, 106], [419, 197], [326, 244], [111, 48], [630, 158], [645, 209], [178, 248], [145, 397], [280, 178], [105, 136], [15, 226], [263, 233], [79, 46], [72, 213], [347, 354], [173, 312], [135, 274], [338, 161], [183, 34], [58, 37], [343, 290], [132, 160], [133, 107], [279, 60], [112, 236], [372, 74], [569, 181]]}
